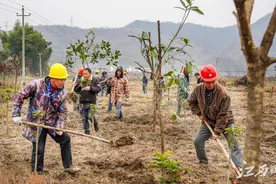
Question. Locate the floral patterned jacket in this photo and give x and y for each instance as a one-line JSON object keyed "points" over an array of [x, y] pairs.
{"points": [[41, 99], [119, 89]]}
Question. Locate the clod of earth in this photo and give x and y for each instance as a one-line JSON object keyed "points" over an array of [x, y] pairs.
{"points": [[122, 141], [72, 97]]}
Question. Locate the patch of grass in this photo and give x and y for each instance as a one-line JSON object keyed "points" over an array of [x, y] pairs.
{"points": [[5, 94]]}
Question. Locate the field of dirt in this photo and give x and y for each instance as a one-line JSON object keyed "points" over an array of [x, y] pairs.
{"points": [[102, 163]]}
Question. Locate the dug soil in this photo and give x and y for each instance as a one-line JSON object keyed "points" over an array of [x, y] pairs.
{"points": [[134, 144]]}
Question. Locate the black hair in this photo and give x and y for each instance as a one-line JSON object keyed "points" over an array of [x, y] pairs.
{"points": [[88, 69], [120, 68], [104, 73], [197, 74]]}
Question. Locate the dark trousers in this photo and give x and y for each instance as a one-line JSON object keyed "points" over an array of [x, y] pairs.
{"points": [[65, 148], [145, 88], [85, 110], [109, 104], [118, 112]]}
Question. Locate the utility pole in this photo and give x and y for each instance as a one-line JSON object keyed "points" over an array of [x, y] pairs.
{"points": [[40, 65], [71, 21], [23, 45], [217, 61], [6, 26]]}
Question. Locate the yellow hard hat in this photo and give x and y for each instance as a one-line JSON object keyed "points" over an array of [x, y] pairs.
{"points": [[97, 71], [58, 71]]}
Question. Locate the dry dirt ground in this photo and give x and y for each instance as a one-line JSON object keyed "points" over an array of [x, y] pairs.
{"points": [[101, 163]]}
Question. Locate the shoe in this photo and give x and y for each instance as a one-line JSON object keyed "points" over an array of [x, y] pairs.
{"points": [[203, 162], [121, 116], [38, 172], [96, 126], [87, 132], [71, 170]]}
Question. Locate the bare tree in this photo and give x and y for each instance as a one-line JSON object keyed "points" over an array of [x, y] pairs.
{"points": [[257, 63]]}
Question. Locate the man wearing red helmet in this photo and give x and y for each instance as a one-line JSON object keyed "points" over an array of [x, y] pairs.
{"points": [[210, 102]]}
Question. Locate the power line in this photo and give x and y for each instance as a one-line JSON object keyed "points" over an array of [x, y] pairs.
{"points": [[15, 2], [8, 10], [49, 22], [9, 6], [47, 29], [38, 16], [61, 34]]}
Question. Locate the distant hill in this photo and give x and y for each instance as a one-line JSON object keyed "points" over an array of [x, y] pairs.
{"points": [[209, 43]]}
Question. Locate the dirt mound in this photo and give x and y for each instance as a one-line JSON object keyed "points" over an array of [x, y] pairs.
{"points": [[123, 141], [271, 139], [174, 131], [108, 118], [72, 97], [140, 119], [136, 164]]}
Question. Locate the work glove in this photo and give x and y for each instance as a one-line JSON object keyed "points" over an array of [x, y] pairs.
{"points": [[17, 120], [87, 88]]}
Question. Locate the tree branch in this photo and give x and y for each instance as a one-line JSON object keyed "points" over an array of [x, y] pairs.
{"points": [[142, 70], [239, 28], [272, 60], [269, 35], [248, 9], [184, 18], [139, 64], [245, 31]]}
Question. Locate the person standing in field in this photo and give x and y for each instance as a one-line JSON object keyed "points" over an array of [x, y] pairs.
{"points": [[212, 104], [119, 90], [183, 89], [103, 82], [198, 78], [144, 83], [48, 96], [88, 88], [108, 93]]}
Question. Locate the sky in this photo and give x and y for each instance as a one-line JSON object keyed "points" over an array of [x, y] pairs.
{"points": [[119, 13]]}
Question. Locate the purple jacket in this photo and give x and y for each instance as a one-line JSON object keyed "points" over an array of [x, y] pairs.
{"points": [[41, 98]]}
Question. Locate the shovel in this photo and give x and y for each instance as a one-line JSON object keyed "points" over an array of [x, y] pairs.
{"points": [[67, 131], [236, 170], [122, 141]]}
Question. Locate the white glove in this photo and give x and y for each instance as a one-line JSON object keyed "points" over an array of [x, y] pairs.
{"points": [[87, 88], [17, 120]]}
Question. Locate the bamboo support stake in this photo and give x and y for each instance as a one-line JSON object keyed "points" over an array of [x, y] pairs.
{"points": [[67, 131], [36, 148]]}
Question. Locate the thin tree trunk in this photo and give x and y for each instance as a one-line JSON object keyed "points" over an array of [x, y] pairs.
{"points": [[159, 90], [15, 81], [254, 120], [154, 101], [36, 148]]}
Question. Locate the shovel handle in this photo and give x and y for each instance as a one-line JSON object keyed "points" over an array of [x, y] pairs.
{"points": [[67, 131], [223, 148]]}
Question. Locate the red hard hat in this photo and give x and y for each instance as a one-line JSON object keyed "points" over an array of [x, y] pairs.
{"points": [[208, 73], [80, 71], [184, 69]]}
